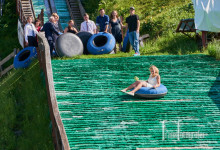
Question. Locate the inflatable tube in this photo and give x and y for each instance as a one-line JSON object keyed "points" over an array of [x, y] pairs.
{"points": [[24, 58], [84, 36], [101, 43], [69, 45], [146, 92], [126, 43]]}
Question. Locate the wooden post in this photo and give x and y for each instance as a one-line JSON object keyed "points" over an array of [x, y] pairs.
{"points": [[204, 38]]}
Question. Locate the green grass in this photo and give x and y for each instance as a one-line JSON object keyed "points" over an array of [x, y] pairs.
{"points": [[24, 116], [214, 49]]}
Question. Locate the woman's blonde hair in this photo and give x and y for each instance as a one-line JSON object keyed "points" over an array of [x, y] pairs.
{"points": [[155, 68], [55, 15]]}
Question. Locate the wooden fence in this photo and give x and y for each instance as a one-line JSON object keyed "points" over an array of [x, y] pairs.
{"points": [[6, 59], [58, 132]]}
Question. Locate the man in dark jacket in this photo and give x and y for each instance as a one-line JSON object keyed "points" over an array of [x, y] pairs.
{"points": [[49, 30]]}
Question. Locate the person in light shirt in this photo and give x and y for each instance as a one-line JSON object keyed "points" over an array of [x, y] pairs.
{"points": [[88, 25], [30, 33]]}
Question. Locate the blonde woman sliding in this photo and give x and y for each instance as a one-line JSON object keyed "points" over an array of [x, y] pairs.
{"points": [[152, 82]]}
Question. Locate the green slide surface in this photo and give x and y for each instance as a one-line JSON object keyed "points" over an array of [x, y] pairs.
{"points": [[96, 115], [63, 12]]}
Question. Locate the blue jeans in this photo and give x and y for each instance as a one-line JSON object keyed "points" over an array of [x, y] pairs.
{"points": [[134, 40]]}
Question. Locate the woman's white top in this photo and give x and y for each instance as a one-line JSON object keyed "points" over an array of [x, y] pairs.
{"points": [[152, 80], [29, 30]]}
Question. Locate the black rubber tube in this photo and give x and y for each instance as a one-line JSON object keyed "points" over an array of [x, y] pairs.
{"points": [[84, 36], [69, 45]]}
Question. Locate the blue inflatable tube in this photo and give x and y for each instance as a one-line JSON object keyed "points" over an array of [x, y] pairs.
{"points": [[146, 92], [101, 43], [24, 58], [126, 43]]}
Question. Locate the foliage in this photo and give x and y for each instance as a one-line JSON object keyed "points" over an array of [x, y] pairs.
{"points": [[8, 29], [24, 113], [159, 19], [214, 49]]}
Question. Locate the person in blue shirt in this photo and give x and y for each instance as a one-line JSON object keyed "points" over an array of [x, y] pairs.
{"points": [[102, 21]]}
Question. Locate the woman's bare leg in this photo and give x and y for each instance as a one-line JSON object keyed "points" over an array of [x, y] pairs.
{"points": [[131, 86], [137, 87]]}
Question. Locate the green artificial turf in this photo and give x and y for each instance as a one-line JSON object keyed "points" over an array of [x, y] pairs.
{"points": [[96, 115]]}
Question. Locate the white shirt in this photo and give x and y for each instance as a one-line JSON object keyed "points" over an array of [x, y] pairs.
{"points": [[152, 80], [29, 30], [88, 26]]}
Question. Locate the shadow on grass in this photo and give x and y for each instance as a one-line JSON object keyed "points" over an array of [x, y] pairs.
{"points": [[214, 92]]}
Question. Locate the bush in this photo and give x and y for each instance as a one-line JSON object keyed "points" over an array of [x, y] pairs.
{"points": [[8, 29], [214, 49]]}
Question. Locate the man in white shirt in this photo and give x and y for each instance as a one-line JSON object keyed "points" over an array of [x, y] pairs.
{"points": [[88, 25], [30, 33]]}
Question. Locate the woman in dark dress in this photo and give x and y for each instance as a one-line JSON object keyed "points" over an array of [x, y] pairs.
{"points": [[116, 28], [70, 28]]}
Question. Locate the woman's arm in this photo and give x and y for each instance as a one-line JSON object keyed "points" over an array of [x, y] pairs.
{"points": [[65, 30], [75, 30], [158, 82], [110, 28]]}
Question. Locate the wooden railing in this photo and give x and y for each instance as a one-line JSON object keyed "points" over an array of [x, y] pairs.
{"points": [[20, 12], [81, 8], [6, 59], [32, 9], [58, 133], [41, 16]]}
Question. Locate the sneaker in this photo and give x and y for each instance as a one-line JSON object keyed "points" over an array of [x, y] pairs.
{"points": [[137, 54], [130, 93]]}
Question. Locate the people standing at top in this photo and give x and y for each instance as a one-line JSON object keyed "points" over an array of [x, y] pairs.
{"points": [[88, 25], [102, 21], [49, 31], [37, 25], [133, 24], [116, 26], [30, 33], [70, 28]]}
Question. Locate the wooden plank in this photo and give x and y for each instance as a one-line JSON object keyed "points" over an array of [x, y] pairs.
{"points": [[7, 58], [59, 135], [7, 69]]}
